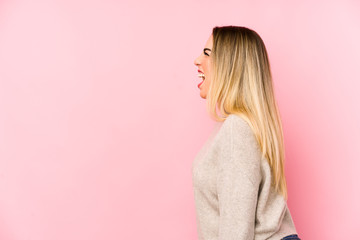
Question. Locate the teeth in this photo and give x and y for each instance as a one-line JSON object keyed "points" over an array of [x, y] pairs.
{"points": [[202, 75]]}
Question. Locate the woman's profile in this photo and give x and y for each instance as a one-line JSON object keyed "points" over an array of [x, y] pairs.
{"points": [[238, 175]]}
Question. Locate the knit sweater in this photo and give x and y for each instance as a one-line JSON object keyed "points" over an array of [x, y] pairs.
{"points": [[233, 196]]}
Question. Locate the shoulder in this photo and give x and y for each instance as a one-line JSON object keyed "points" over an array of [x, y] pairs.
{"points": [[237, 133], [239, 147], [234, 125]]}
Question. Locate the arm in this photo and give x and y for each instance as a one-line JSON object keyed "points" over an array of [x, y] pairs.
{"points": [[238, 182]]}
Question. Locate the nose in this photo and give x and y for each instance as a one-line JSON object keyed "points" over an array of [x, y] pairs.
{"points": [[197, 61]]}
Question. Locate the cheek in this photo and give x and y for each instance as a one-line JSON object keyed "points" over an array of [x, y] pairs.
{"points": [[208, 66], [208, 69], [207, 83]]}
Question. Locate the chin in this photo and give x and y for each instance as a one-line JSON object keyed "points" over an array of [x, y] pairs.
{"points": [[203, 93]]}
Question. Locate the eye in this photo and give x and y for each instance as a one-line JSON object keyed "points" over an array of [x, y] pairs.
{"points": [[206, 53]]}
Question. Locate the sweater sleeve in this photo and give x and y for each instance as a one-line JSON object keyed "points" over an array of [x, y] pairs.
{"points": [[238, 183]]}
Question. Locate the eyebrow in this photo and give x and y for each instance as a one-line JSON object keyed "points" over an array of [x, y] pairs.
{"points": [[207, 49]]}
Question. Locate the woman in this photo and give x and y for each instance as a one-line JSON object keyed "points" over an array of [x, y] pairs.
{"points": [[238, 175]]}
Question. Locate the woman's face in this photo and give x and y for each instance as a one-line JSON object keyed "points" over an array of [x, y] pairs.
{"points": [[203, 62]]}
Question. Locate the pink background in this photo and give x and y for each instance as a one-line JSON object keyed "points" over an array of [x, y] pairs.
{"points": [[101, 117]]}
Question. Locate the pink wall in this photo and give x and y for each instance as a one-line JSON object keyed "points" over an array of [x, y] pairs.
{"points": [[100, 114]]}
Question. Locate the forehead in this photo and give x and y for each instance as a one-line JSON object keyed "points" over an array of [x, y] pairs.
{"points": [[209, 42]]}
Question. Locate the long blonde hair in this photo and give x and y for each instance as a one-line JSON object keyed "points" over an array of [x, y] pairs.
{"points": [[241, 84]]}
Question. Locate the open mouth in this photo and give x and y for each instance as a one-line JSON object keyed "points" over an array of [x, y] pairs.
{"points": [[201, 75]]}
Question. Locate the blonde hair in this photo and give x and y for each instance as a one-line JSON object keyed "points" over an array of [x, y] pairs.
{"points": [[241, 84]]}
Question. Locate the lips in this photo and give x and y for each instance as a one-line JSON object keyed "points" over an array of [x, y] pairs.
{"points": [[200, 83], [202, 76]]}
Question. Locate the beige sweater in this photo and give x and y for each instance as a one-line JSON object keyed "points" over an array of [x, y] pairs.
{"points": [[234, 199]]}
